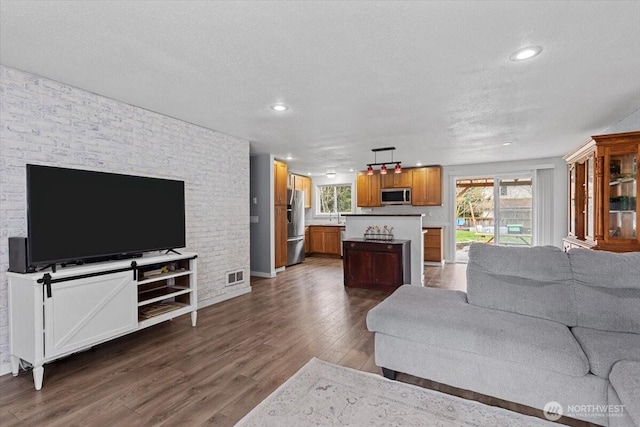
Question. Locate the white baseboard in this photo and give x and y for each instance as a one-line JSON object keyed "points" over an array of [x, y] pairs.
{"points": [[262, 274], [5, 369], [227, 296], [434, 263]]}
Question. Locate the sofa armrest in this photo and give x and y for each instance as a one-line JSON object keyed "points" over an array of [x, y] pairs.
{"points": [[625, 379]]}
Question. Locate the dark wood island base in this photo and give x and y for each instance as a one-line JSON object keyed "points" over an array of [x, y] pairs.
{"points": [[379, 265]]}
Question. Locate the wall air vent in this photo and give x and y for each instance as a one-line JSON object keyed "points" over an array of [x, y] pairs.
{"points": [[235, 277]]}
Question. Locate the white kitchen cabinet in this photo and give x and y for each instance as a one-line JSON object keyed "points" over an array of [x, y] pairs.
{"points": [[52, 315]]}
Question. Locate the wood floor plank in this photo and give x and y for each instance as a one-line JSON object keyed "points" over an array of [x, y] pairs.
{"points": [[7, 419], [213, 374]]}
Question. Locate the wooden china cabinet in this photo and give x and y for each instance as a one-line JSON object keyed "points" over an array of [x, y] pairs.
{"points": [[603, 193]]}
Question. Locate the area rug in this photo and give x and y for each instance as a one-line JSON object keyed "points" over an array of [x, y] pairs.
{"points": [[324, 394]]}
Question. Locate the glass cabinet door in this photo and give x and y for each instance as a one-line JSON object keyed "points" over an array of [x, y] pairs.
{"points": [[623, 172], [589, 218], [572, 201]]}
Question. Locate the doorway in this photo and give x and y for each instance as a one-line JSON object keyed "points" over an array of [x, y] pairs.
{"points": [[495, 210]]}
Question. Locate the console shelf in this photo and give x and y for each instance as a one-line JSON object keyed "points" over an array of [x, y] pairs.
{"points": [[156, 309], [170, 275], [160, 294], [78, 307]]}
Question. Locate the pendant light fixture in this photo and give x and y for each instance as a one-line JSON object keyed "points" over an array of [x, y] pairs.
{"points": [[383, 165]]}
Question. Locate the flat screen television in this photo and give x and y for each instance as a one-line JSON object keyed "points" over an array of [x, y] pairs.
{"points": [[79, 215]]}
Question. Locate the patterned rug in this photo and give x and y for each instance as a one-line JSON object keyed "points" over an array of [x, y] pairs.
{"points": [[324, 394]]}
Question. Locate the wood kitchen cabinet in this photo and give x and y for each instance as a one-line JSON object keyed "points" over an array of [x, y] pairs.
{"points": [[325, 239], [281, 177], [280, 236], [299, 182], [377, 265], [368, 190], [306, 186], [397, 180], [603, 193], [433, 244], [427, 186], [307, 240]]}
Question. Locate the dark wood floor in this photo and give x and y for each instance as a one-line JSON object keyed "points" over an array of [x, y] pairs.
{"points": [[241, 350]]}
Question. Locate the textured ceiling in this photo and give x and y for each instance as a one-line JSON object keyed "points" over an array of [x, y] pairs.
{"points": [[433, 79]]}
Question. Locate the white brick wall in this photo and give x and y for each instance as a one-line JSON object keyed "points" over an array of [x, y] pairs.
{"points": [[49, 123]]}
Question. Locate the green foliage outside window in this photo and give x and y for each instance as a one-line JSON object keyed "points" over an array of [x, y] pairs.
{"points": [[334, 199]]}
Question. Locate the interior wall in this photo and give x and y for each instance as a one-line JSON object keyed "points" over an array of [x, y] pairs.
{"points": [[261, 216], [628, 124], [49, 123]]}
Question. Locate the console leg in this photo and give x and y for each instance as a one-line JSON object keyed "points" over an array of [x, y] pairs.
{"points": [[194, 318], [388, 373], [15, 365], [38, 374]]}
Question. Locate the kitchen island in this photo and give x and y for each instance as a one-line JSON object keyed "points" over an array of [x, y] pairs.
{"points": [[405, 227], [377, 264]]}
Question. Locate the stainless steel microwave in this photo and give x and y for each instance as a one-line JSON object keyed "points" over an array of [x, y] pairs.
{"points": [[396, 196]]}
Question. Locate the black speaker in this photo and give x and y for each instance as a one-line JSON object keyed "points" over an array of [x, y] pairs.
{"points": [[19, 255]]}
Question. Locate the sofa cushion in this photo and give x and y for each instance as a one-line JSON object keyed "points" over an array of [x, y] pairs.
{"points": [[625, 379], [607, 289], [604, 349], [442, 318], [534, 281]]}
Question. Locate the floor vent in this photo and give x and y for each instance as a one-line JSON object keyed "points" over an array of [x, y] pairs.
{"points": [[235, 277]]}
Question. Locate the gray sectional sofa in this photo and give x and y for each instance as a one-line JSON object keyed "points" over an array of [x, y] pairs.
{"points": [[536, 325]]}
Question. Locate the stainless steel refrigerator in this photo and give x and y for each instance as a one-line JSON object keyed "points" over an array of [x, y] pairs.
{"points": [[295, 227]]}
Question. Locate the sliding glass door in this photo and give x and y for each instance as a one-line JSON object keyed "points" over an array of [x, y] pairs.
{"points": [[514, 211], [495, 210]]}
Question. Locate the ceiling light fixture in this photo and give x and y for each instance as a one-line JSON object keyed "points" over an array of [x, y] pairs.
{"points": [[506, 143], [526, 53], [331, 174], [289, 157], [383, 165], [279, 107]]}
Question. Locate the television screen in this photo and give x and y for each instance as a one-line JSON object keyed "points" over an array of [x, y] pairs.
{"points": [[78, 215]]}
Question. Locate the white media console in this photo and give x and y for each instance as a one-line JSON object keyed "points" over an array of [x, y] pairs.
{"points": [[52, 315]]}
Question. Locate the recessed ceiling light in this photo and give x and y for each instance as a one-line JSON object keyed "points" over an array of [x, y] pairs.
{"points": [[526, 53], [309, 173], [506, 143], [351, 170], [289, 157], [279, 107], [419, 164], [331, 174]]}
